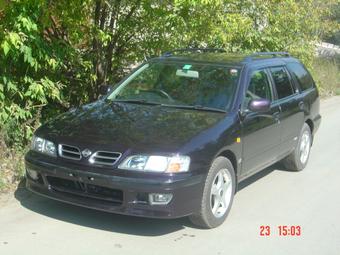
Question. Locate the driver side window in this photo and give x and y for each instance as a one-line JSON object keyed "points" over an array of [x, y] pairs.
{"points": [[259, 87]]}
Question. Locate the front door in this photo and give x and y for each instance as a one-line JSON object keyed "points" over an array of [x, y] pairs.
{"points": [[260, 131]]}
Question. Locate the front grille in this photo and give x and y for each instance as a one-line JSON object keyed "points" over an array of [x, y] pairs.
{"points": [[81, 189], [105, 158], [68, 151]]}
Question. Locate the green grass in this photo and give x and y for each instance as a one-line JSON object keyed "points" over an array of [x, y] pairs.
{"points": [[326, 73], [337, 91], [2, 183]]}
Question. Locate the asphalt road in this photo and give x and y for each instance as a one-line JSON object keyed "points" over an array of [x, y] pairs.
{"points": [[30, 224]]}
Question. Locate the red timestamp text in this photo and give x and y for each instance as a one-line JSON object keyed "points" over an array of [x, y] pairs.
{"points": [[281, 230]]}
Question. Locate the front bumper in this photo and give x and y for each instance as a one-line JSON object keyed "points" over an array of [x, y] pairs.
{"points": [[117, 194]]}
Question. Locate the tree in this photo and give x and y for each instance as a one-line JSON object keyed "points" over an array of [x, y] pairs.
{"points": [[55, 54], [333, 36]]}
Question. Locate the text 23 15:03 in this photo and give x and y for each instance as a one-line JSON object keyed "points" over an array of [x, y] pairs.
{"points": [[282, 230]]}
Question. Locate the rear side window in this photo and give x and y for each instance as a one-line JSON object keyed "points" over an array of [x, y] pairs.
{"points": [[283, 86], [301, 75]]}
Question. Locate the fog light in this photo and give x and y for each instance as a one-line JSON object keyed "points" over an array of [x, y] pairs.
{"points": [[159, 199], [32, 174]]}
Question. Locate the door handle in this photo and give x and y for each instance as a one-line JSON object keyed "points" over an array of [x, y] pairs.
{"points": [[276, 116], [301, 105]]}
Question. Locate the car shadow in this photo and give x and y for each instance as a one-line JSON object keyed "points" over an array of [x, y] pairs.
{"points": [[98, 219], [276, 167], [114, 222]]}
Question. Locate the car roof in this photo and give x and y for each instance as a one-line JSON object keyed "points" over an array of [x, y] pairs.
{"points": [[232, 59]]}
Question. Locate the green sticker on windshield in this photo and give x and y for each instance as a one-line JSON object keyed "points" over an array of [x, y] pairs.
{"points": [[233, 72], [186, 67]]}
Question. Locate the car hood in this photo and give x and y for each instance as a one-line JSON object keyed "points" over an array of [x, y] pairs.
{"points": [[129, 126]]}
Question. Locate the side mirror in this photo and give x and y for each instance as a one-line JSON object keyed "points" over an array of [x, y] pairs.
{"points": [[259, 105], [105, 89]]}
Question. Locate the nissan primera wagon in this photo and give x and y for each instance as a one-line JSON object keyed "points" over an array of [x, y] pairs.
{"points": [[177, 135]]}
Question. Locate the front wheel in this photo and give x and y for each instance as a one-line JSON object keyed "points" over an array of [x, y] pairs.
{"points": [[217, 196], [298, 159]]}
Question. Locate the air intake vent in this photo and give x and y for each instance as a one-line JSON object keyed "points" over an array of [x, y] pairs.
{"points": [[104, 158], [68, 151]]}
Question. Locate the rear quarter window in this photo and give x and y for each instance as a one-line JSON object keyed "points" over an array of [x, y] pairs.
{"points": [[302, 76]]}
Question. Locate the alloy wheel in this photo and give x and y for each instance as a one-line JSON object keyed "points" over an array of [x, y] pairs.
{"points": [[304, 147], [221, 193]]}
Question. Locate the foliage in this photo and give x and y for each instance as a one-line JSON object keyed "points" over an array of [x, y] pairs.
{"points": [[334, 15], [55, 54], [27, 79], [35, 68], [11, 166]]}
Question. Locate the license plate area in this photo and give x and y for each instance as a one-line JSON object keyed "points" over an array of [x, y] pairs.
{"points": [[83, 189]]}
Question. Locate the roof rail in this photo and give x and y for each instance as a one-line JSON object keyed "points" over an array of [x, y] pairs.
{"points": [[272, 54], [170, 53]]}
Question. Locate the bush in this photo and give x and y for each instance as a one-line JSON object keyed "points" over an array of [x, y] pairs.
{"points": [[11, 166], [39, 69]]}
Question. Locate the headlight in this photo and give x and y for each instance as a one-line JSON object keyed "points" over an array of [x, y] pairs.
{"points": [[174, 164], [44, 146]]}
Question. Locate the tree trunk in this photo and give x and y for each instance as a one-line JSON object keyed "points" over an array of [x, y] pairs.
{"points": [[97, 48]]}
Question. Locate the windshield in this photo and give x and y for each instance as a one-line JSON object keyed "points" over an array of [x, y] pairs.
{"points": [[180, 84]]}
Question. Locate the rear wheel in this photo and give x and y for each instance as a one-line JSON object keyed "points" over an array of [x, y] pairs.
{"points": [[218, 195], [298, 159]]}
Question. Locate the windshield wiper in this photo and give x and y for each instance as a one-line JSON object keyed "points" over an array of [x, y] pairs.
{"points": [[136, 101], [145, 102], [195, 107]]}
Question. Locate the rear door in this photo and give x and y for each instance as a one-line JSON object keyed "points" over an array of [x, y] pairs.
{"points": [[291, 107], [309, 96]]}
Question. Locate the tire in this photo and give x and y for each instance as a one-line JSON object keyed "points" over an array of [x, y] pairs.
{"points": [[218, 195], [298, 159]]}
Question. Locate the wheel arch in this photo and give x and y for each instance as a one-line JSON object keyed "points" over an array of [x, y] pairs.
{"points": [[232, 157], [310, 124]]}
